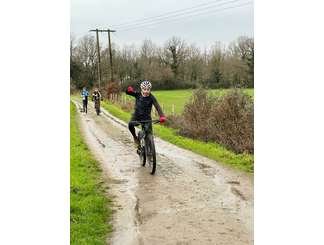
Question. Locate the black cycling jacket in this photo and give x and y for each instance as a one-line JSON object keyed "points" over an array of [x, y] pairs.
{"points": [[96, 96], [143, 106]]}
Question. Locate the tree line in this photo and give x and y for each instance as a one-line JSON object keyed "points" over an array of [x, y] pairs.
{"points": [[174, 65]]}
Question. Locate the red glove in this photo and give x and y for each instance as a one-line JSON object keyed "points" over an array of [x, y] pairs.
{"points": [[130, 89], [162, 119]]}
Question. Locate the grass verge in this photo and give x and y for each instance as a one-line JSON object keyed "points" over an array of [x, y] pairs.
{"points": [[211, 150], [179, 98], [90, 209]]}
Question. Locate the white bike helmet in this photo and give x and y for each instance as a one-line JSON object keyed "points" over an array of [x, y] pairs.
{"points": [[146, 85]]}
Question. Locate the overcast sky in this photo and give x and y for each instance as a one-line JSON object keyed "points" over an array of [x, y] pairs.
{"points": [[203, 25]]}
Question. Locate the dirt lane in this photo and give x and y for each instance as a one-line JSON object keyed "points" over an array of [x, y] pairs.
{"points": [[190, 200]]}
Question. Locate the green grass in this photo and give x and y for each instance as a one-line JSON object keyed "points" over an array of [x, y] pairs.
{"points": [[90, 210], [116, 111], [210, 150], [180, 97]]}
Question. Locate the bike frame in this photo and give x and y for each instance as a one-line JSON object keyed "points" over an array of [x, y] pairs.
{"points": [[144, 122], [148, 148]]}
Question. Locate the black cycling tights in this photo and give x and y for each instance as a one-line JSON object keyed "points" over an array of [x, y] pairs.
{"points": [[85, 106], [131, 127]]}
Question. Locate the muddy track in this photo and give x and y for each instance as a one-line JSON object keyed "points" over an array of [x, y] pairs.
{"points": [[190, 200]]}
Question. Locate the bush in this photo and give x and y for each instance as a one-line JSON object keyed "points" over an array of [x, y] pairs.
{"points": [[173, 121], [227, 120], [112, 88], [231, 121], [128, 106], [196, 115]]}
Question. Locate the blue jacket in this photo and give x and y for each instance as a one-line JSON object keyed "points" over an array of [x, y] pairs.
{"points": [[85, 94]]}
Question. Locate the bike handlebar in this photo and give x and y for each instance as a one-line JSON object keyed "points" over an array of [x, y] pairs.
{"points": [[146, 121]]}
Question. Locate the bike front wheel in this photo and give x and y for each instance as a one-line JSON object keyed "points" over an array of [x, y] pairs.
{"points": [[150, 153], [141, 149]]}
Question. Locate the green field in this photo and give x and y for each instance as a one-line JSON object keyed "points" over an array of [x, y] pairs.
{"points": [[178, 98], [90, 209]]}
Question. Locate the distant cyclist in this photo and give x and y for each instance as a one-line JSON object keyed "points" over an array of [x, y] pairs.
{"points": [[96, 97], [143, 107], [85, 95]]}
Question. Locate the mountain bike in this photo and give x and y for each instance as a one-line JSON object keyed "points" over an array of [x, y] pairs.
{"points": [[97, 106], [96, 100], [146, 147]]}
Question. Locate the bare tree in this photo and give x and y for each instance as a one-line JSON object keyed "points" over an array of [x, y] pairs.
{"points": [[243, 48], [193, 63], [148, 60], [216, 66], [85, 54], [175, 50], [72, 45], [148, 50]]}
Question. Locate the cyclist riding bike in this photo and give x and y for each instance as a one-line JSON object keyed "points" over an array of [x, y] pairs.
{"points": [[96, 97], [85, 95], [143, 107]]}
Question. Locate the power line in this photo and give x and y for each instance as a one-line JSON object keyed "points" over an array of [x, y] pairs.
{"points": [[117, 37], [165, 15], [183, 17], [180, 14]]}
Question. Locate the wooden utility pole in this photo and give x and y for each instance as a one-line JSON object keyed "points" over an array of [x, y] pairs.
{"points": [[98, 51], [110, 55]]}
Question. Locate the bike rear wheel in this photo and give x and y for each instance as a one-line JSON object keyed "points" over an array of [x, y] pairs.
{"points": [[97, 107], [150, 153]]}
